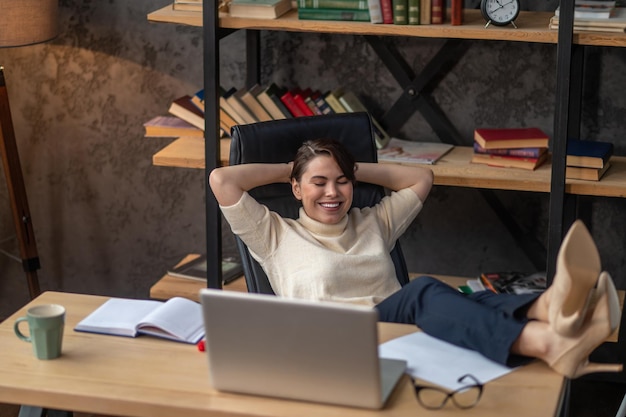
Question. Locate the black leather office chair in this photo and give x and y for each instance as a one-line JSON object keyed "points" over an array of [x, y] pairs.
{"points": [[277, 142]]}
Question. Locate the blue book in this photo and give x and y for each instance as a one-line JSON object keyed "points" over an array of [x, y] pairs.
{"points": [[588, 154]]}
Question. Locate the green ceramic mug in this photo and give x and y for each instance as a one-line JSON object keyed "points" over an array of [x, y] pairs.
{"points": [[45, 323]]}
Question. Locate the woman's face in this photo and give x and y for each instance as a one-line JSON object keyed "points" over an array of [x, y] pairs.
{"points": [[324, 190]]}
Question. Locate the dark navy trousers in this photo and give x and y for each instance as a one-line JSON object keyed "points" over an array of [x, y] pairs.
{"points": [[483, 321]]}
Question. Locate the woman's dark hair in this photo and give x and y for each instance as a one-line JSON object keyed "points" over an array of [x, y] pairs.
{"points": [[330, 147]]}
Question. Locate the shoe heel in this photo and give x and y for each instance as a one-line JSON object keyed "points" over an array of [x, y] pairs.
{"points": [[604, 319]]}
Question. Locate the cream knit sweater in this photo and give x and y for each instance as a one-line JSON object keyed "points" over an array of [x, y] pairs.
{"points": [[346, 262]]}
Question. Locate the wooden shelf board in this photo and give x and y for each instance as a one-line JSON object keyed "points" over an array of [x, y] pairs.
{"points": [[532, 27], [170, 286], [188, 152], [454, 169]]}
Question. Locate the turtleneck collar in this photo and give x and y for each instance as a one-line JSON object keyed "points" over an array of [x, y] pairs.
{"points": [[320, 228]]}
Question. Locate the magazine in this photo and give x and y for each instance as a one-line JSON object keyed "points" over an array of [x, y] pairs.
{"points": [[514, 282], [405, 151]]}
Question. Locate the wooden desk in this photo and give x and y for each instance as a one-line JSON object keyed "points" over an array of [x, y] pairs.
{"points": [[150, 377]]}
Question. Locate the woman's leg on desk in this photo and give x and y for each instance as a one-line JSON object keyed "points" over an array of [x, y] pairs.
{"points": [[506, 328]]}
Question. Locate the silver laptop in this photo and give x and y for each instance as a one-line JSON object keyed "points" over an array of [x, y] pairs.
{"points": [[296, 349]]}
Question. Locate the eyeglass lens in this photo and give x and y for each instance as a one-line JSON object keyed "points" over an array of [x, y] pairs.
{"points": [[434, 398]]}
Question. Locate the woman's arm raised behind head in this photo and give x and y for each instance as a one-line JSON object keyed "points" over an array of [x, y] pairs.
{"points": [[229, 183], [397, 177]]}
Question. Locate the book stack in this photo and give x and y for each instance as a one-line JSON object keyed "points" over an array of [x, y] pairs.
{"points": [[259, 9], [587, 160], [187, 5], [186, 118], [170, 127], [595, 16], [195, 268], [525, 148], [355, 10], [399, 12]]}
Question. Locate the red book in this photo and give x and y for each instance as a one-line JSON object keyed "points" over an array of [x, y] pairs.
{"points": [[456, 12], [438, 12], [523, 152], [530, 137], [298, 98], [287, 99], [506, 161], [387, 11]]}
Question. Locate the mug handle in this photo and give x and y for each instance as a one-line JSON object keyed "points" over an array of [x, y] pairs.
{"points": [[16, 329]]}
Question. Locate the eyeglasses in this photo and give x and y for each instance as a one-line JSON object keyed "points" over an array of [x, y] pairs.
{"points": [[434, 398]]}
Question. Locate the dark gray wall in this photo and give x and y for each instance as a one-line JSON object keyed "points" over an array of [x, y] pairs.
{"points": [[109, 222]]}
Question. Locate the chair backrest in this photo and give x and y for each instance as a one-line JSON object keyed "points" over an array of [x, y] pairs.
{"points": [[277, 142]]}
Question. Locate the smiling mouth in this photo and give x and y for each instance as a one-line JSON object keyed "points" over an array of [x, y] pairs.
{"points": [[330, 205]]}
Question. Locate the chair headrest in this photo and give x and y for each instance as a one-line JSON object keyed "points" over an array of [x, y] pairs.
{"points": [[278, 141]]}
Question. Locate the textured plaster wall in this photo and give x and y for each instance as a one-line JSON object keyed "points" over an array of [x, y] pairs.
{"points": [[109, 222]]}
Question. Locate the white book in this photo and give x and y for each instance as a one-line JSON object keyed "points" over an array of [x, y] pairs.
{"points": [[176, 319], [376, 14]]}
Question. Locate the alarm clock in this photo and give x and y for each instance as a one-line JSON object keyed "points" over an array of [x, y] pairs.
{"points": [[500, 12]]}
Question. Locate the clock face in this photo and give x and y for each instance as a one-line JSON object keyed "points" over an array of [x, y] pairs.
{"points": [[500, 12]]}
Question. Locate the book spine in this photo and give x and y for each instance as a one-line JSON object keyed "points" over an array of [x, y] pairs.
{"points": [[400, 12], [241, 109], [519, 152], [269, 106], [334, 14], [414, 12], [334, 4], [456, 12], [279, 103], [299, 100], [323, 106], [334, 103], [437, 12], [311, 104], [376, 14], [291, 105], [425, 7], [387, 11]]}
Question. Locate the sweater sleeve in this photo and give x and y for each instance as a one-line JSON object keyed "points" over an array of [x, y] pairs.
{"points": [[396, 212], [257, 226]]}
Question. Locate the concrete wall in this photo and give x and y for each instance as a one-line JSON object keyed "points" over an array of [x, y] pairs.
{"points": [[108, 222]]}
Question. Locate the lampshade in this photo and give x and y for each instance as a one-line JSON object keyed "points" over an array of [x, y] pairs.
{"points": [[24, 22]]}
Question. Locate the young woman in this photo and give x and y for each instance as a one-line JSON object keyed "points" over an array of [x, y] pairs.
{"points": [[333, 252]]}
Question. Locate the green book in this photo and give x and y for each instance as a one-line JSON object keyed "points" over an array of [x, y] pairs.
{"points": [[333, 14], [334, 4], [414, 12], [268, 3], [400, 12]]}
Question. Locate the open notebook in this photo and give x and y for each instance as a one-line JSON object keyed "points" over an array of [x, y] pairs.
{"points": [[313, 351]]}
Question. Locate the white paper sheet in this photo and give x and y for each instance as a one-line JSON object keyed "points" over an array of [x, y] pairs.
{"points": [[440, 362]]}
